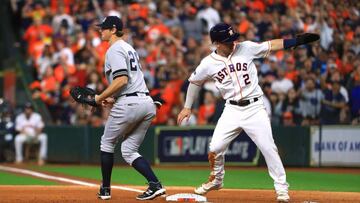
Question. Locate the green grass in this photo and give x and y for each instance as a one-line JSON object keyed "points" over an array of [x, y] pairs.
{"points": [[13, 179], [234, 178]]}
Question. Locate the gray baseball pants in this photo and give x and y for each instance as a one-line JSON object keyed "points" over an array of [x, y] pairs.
{"points": [[129, 119]]}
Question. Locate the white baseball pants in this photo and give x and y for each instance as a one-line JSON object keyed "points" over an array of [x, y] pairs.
{"points": [[254, 120], [19, 142]]}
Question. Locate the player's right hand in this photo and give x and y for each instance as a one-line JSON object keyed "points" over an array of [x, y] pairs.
{"points": [[108, 102], [185, 113]]}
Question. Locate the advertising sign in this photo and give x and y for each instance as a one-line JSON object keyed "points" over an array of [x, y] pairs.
{"points": [[340, 146], [192, 145]]}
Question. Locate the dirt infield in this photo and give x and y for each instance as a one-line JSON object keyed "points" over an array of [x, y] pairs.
{"points": [[87, 194]]}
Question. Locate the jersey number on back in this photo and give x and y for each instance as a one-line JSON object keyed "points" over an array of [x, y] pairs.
{"points": [[134, 61]]}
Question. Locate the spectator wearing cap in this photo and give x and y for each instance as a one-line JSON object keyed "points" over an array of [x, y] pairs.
{"points": [[333, 103], [29, 124]]}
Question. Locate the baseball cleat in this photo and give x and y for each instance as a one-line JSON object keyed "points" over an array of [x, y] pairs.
{"points": [[206, 187], [283, 197], [104, 193], [154, 190]]}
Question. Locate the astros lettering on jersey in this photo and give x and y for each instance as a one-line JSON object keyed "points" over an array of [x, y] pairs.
{"points": [[234, 76]]}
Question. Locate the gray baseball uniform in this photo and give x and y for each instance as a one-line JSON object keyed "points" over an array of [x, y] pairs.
{"points": [[133, 111]]}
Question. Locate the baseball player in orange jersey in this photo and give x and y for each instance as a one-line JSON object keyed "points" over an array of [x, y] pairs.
{"points": [[232, 68]]}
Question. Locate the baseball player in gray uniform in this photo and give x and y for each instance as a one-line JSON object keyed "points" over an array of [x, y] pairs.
{"points": [[132, 110]]}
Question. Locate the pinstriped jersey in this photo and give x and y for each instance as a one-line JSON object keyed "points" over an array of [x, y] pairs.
{"points": [[235, 76], [121, 59]]}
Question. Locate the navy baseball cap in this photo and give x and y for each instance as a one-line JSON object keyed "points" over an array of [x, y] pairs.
{"points": [[111, 22], [223, 33]]}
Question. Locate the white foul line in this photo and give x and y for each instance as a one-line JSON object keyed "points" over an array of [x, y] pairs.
{"points": [[67, 180]]}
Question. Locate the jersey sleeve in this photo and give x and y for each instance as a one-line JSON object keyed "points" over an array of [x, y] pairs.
{"points": [[200, 75], [118, 62], [257, 50]]}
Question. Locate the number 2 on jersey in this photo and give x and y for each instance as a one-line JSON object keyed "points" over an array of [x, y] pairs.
{"points": [[134, 61], [246, 79]]}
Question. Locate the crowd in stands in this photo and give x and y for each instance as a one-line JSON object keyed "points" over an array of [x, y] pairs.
{"points": [[313, 83]]}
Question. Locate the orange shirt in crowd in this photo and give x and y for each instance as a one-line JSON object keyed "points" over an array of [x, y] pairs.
{"points": [[54, 5], [59, 72], [33, 32], [101, 50], [292, 4], [256, 5], [77, 78], [280, 55], [292, 75], [36, 49], [346, 68], [48, 84], [349, 36], [205, 112], [243, 26], [170, 95], [154, 56], [142, 11], [157, 31]]}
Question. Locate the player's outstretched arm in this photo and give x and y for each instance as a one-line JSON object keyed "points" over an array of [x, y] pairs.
{"points": [[305, 38], [192, 93]]}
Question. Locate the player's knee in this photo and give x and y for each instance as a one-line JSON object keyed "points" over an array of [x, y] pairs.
{"points": [[43, 137], [129, 155], [216, 148], [20, 138], [107, 146]]}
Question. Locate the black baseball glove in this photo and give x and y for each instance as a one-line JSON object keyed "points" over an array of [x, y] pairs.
{"points": [[84, 95], [306, 38]]}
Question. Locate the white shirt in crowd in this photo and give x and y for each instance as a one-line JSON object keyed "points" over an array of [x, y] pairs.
{"points": [[282, 86]]}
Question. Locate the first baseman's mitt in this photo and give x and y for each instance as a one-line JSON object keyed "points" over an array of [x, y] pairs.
{"points": [[83, 95]]}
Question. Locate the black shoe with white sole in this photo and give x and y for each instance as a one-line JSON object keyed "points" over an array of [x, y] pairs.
{"points": [[104, 193], [154, 190]]}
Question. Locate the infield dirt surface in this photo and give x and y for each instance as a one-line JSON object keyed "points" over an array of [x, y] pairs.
{"points": [[70, 193], [73, 193]]}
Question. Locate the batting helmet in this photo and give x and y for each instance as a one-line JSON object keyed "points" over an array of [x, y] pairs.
{"points": [[223, 33]]}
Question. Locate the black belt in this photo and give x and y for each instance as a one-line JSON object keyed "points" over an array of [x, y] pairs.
{"points": [[135, 94], [243, 102]]}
